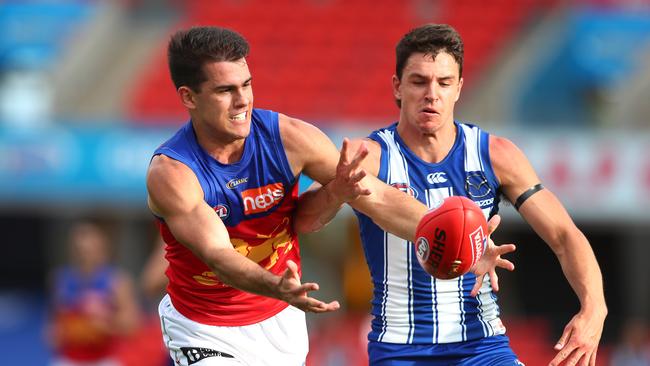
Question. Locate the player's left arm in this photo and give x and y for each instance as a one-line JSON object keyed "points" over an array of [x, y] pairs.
{"points": [[550, 220], [343, 178]]}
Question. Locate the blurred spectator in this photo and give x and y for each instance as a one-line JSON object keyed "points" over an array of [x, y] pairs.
{"points": [[634, 349], [93, 302]]}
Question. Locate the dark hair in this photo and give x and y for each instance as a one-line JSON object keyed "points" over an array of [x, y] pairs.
{"points": [[190, 49], [429, 39]]}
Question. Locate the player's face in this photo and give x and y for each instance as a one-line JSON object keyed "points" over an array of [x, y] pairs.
{"points": [[89, 247], [429, 89], [224, 102]]}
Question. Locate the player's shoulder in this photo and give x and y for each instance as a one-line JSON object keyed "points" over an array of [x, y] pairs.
{"points": [[500, 144], [163, 166], [167, 174], [171, 186], [293, 124], [296, 133], [507, 159], [502, 148]]}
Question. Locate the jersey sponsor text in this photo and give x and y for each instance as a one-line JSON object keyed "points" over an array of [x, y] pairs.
{"points": [[263, 198]]}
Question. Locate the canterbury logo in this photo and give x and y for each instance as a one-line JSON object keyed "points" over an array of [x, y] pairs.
{"points": [[263, 198], [438, 177]]}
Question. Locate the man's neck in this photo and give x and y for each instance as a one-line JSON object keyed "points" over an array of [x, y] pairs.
{"points": [[430, 147], [225, 151]]}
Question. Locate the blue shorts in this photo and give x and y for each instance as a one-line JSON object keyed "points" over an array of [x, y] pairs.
{"points": [[489, 351]]}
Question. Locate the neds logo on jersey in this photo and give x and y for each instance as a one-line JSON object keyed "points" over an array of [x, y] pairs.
{"points": [[262, 198]]}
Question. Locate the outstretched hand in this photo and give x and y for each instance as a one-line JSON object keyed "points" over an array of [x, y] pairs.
{"points": [[295, 293], [346, 186], [578, 344], [491, 259]]}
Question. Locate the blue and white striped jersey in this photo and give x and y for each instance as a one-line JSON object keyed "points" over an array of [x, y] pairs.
{"points": [[410, 306]]}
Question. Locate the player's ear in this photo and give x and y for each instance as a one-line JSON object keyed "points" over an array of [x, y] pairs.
{"points": [[460, 86], [187, 97], [396, 88]]}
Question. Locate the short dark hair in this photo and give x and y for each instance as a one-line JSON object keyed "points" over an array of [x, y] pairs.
{"points": [[429, 39], [190, 49]]}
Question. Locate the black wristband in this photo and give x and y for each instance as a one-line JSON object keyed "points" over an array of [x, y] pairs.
{"points": [[526, 195]]}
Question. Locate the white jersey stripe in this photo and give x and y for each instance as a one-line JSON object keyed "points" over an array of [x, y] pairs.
{"points": [[472, 162], [484, 325], [399, 324], [409, 263]]}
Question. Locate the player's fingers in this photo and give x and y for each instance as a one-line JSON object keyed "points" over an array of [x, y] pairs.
{"points": [[307, 304], [356, 177], [592, 359], [343, 159], [563, 346], [325, 307], [576, 356], [361, 154], [310, 304], [291, 271], [493, 223], [292, 266], [306, 287], [477, 285], [505, 249], [505, 264], [287, 275], [561, 343], [585, 359], [560, 357], [494, 280]]}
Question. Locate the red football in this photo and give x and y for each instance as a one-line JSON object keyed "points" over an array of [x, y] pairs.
{"points": [[451, 238]]}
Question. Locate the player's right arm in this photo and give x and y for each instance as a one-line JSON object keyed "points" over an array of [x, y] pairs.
{"points": [[176, 195]]}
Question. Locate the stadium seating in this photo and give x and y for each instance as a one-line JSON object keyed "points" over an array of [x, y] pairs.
{"points": [[602, 49], [331, 60]]}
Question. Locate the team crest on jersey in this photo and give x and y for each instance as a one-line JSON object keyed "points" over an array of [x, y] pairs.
{"points": [[235, 182], [222, 210], [404, 187], [477, 185]]}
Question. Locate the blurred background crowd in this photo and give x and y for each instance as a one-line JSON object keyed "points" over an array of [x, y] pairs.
{"points": [[85, 98]]}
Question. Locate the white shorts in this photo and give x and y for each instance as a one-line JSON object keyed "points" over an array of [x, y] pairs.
{"points": [[62, 361], [279, 340]]}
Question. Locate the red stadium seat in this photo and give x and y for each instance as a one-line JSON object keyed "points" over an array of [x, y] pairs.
{"points": [[330, 60]]}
